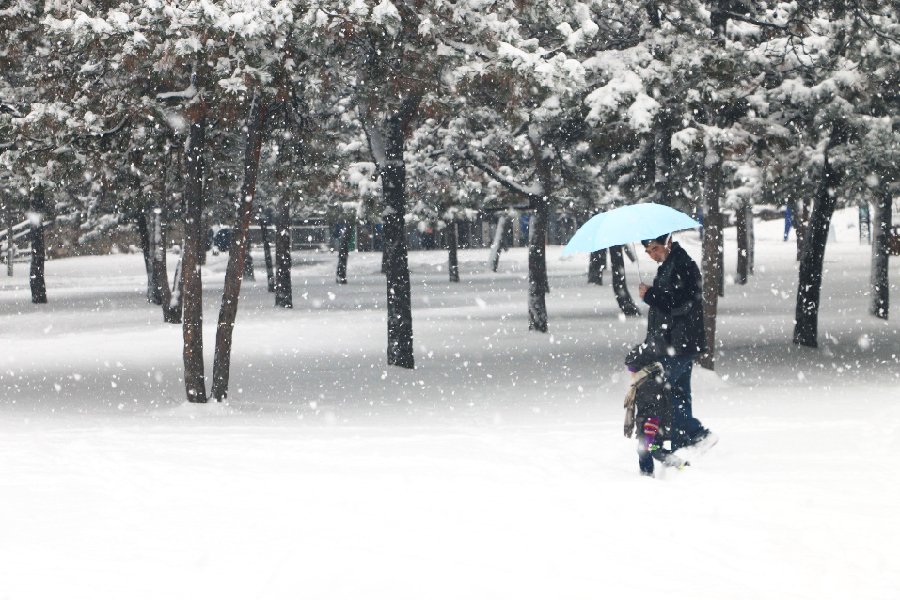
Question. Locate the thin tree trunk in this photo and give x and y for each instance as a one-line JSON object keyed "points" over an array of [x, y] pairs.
{"points": [[38, 250], [452, 255], [801, 226], [238, 254], [498, 245], [806, 318], [537, 268], [343, 249], [10, 248], [144, 230], [751, 240], [712, 256], [619, 284], [171, 303], [743, 254], [881, 254], [267, 251], [247, 271], [662, 155], [596, 267], [192, 288], [283, 292]]}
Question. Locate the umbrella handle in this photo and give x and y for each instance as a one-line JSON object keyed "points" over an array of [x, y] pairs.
{"points": [[637, 259]]}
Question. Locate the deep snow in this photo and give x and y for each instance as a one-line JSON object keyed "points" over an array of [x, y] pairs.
{"points": [[496, 469]]}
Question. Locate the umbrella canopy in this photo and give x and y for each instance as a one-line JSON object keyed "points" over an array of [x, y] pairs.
{"points": [[627, 224]]}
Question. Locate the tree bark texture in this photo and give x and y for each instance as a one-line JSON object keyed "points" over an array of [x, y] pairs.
{"points": [[801, 224], [171, 303], [537, 267], [267, 251], [806, 319], [283, 291], [596, 267], [499, 243], [38, 249], [248, 272], [238, 254], [145, 231], [399, 292], [743, 254], [452, 254], [712, 263], [619, 284], [881, 254], [192, 289], [343, 252]]}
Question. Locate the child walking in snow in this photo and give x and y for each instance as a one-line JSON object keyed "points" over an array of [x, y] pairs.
{"points": [[648, 412]]}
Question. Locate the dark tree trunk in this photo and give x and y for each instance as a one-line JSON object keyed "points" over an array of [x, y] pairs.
{"points": [[192, 289], [743, 246], [343, 249], [248, 272], [880, 254], [806, 318], [171, 303], [144, 229], [537, 267], [283, 292], [452, 255], [38, 250], [267, 251], [238, 255], [499, 243], [712, 266], [596, 267], [801, 217], [620, 287], [662, 157], [399, 292]]}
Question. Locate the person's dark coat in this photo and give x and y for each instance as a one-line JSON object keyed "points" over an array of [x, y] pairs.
{"points": [[675, 322]]}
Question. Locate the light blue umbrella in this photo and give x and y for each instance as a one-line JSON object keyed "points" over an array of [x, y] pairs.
{"points": [[627, 224]]}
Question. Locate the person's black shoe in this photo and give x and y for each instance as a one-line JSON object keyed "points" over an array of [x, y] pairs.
{"points": [[699, 444]]}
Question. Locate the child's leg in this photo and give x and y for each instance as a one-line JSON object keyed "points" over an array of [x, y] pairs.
{"points": [[647, 445]]}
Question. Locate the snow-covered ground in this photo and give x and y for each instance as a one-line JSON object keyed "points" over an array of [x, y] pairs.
{"points": [[496, 469]]}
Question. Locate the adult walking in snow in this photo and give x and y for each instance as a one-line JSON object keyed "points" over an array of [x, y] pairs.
{"points": [[675, 333]]}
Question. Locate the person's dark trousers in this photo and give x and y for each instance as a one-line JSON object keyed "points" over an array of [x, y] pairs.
{"points": [[678, 375], [645, 460]]}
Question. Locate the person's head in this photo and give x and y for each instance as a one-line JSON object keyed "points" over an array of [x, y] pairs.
{"points": [[658, 248]]}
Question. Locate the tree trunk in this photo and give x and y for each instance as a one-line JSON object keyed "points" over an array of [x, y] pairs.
{"points": [[880, 254], [662, 157], [596, 267], [712, 256], [283, 291], [10, 249], [399, 292], [144, 230], [267, 251], [38, 250], [743, 238], [171, 303], [238, 255], [247, 271], [620, 286], [806, 319], [498, 245], [537, 267], [452, 257], [343, 253], [800, 226], [192, 288]]}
